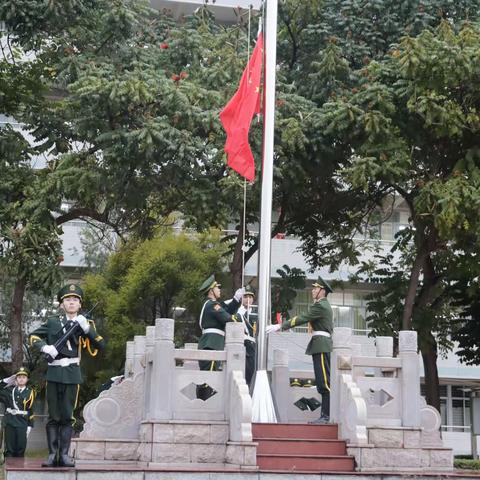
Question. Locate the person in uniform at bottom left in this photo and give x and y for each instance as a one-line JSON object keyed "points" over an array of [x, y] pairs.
{"points": [[63, 373], [18, 419]]}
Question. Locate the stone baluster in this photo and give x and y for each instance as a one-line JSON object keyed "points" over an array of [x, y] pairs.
{"points": [[356, 351], [342, 348], [161, 395], [139, 348], [384, 349], [409, 378], [129, 360], [191, 364], [235, 349], [150, 339], [281, 383]]}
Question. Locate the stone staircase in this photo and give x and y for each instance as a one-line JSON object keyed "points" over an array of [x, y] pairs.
{"points": [[301, 447]]}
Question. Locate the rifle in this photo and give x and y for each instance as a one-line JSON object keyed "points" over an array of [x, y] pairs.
{"points": [[62, 341]]}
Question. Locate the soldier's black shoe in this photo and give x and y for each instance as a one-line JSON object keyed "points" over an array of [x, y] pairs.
{"points": [[64, 460], [52, 442], [320, 421]]}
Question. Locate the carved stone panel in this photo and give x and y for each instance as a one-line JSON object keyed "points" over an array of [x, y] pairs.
{"points": [[115, 413]]}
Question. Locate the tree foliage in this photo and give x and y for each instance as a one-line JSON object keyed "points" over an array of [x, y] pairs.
{"points": [[146, 280]]}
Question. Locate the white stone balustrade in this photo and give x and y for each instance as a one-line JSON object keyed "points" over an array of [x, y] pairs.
{"points": [[376, 402], [154, 415]]}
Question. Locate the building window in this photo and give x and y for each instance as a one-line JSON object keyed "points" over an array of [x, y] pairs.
{"points": [[454, 407], [349, 309]]}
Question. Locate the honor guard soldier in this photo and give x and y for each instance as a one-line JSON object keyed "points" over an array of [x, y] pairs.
{"points": [[213, 318], [61, 339], [320, 319], [18, 418], [249, 320]]}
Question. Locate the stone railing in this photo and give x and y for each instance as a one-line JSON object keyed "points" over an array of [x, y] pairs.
{"points": [[375, 400], [157, 407]]}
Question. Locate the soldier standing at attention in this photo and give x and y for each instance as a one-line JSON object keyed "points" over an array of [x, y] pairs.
{"points": [[213, 318], [320, 319], [249, 320], [63, 373], [18, 419]]}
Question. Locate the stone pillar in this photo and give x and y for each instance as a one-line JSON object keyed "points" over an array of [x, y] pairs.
{"points": [[409, 378], [281, 383], [129, 360], [139, 349], [234, 338], [150, 339], [356, 351], [342, 341], [161, 394], [384, 346]]}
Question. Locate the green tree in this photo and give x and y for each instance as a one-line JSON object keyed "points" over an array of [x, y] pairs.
{"points": [[411, 125], [285, 288], [148, 279]]}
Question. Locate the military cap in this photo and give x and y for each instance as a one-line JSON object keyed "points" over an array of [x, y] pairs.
{"points": [[70, 290], [295, 382], [208, 284], [249, 291], [323, 284], [22, 371]]}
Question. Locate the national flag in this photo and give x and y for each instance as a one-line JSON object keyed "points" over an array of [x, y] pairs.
{"points": [[237, 115]]}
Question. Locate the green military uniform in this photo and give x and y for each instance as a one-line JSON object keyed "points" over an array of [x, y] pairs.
{"points": [[320, 319], [63, 373], [250, 322], [213, 318], [18, 415]]}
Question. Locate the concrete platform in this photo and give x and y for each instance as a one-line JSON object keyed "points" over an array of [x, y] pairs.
{"points": [[31, 469]]}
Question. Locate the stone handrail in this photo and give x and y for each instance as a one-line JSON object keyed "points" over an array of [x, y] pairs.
{"points": [[156, 389], [240, 409], [366, 391], [354, 412]]}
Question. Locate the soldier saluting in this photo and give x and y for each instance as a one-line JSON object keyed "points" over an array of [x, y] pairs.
{"points": [[320, 319], [18, 419], [213, 318], [63, 373], [249, 320]]}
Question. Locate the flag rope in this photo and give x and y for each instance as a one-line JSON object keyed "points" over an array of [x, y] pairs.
{"points": [[245, 180]]}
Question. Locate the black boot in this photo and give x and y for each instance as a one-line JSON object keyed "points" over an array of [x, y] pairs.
{"points": [[52, 441], [66, 432]]}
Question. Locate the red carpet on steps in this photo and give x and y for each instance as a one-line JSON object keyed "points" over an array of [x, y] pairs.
{"points": [[295, 446]]}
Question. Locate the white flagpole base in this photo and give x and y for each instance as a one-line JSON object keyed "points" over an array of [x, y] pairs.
{"points": [[263, 409]]}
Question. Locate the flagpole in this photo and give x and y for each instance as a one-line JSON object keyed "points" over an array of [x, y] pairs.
{"points": [[263, 410]]}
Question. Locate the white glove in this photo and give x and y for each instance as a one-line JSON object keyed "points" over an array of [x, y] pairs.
{"points": [[50, 350], [10, 380], [29, 429], [239, 294], [83, 322], [273, 328]]}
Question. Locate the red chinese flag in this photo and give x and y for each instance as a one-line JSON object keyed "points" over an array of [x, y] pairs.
{"points": [[237, 115]]}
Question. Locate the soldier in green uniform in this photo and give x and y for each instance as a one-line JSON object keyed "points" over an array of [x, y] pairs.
{"points": [[249, 320], [320, 319], [213, 318], [18, 419], [63, 373]]}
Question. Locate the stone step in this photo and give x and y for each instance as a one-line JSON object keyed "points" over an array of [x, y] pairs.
{"points": [[294, 431], [306, 463], [300, 446]]}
